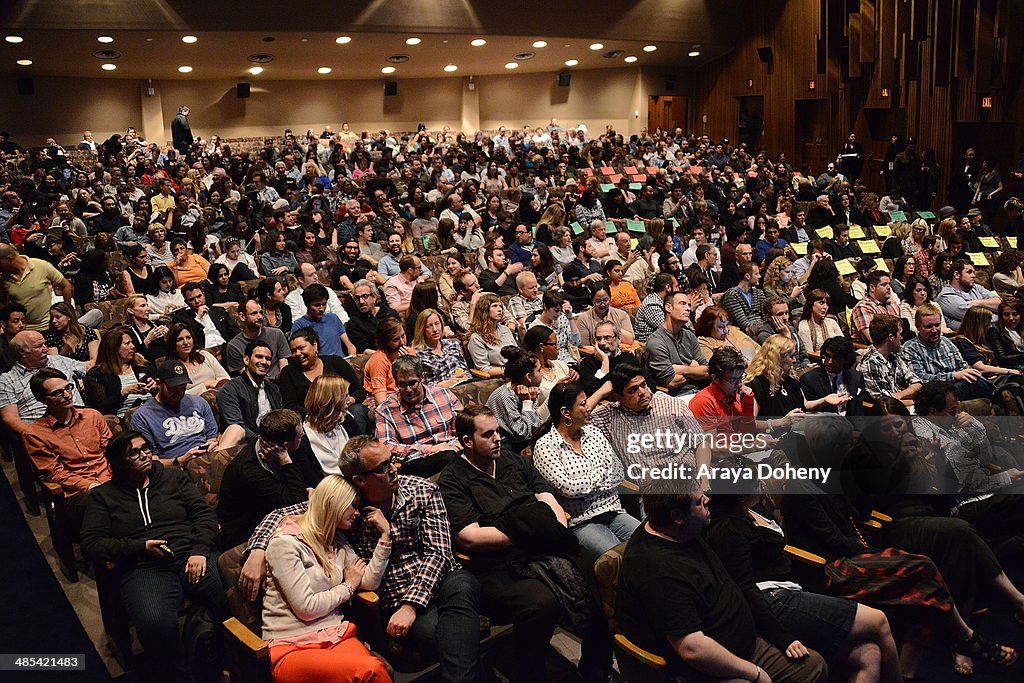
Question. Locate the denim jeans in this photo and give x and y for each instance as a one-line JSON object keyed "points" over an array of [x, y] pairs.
{"points": [[604, 532], [450, 627]]}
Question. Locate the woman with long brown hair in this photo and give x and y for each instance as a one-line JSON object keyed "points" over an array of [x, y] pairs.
{"points": [[815, 326], [119, 380], [204, 371], [326, 406], [488, 335], [68, 337]]}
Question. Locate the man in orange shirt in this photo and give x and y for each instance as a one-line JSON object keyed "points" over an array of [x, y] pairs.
{"points": [[67, 444]]}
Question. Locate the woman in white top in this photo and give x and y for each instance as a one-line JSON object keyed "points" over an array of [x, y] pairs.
{"points": [[488, 336], [312, 571], [164, 298], [562, 246], [917, 293], [233, 256], [815, 327], [542, 341], [580, 464], [204, 370], [326, 404]]}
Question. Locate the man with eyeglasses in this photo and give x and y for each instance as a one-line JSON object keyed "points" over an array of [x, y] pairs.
{"points": [[418, 422], [67, 444], [18, 407], [368, 308], [425, 596], [521, 250]]}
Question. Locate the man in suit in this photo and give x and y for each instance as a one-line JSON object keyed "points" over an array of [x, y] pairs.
{"points": [[834, 386], [246, 399], [211, 326]]}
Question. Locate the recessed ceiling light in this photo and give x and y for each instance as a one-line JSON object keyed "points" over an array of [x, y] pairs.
{"points": [[512, 65], [104, 39], [413, 41], [324, 70], [256, 70], [597, 46], [149, 40], [108, 67], [540, 43], [650, 48], [479, 42], [13, 39], [694, 53], [630, 59], [572, 62], [343, 40], [388, 70], [185, 69], [304, 40], [189, 39], [24, 62], [451, 67]]}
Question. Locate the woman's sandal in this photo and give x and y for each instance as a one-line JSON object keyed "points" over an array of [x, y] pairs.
{"points": [[980, 646]]}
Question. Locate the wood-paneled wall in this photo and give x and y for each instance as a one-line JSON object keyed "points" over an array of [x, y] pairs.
{"points": [[914, 68]]}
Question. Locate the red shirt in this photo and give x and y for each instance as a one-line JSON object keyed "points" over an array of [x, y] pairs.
{"points": [[716, 412]]}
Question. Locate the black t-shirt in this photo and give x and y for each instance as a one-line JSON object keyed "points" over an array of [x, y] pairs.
{"points": [[488, 283], [787, 398], [354, 273], [669, 589]]}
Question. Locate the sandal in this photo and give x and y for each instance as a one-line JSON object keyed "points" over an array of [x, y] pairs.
{"points": [[980, 646]]}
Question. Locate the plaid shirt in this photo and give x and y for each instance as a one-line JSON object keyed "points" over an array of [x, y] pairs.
{"points": [[408, 430], [442, 368], [649, 317], [885, 376], [421, 542], [619, 423], [865, 311], [933, 362], [524, 308]]}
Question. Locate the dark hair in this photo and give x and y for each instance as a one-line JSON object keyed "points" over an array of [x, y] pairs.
{"points": [[563, 395], [841, 348], [315, 292], [159, 273], [882, 326], [6, 311], [173, 333], [307, 333], [725, 359], [189, 287], [387, 327], [959, 265], [465, 422], [623, 374], [703, 250], [278, 426], [931, 396], [36, 383], [912, 283], [866, 264], [875, 277], [214, 272], [255, 344], [553, 299], [663, 497], [518, 363], [609, 264], [117, 450], [536, 336]]}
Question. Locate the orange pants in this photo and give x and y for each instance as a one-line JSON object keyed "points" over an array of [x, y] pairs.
{"points": [[347, 661]]}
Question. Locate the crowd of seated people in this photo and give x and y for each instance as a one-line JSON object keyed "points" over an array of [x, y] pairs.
{"points": [[317, 307]]}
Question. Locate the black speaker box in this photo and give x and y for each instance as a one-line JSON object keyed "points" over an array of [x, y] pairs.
{"points": [[764, 54], [26, 86], [242, 90], [390, 88], [564, 79]]}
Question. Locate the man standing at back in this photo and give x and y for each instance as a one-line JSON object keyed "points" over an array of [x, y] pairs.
{"points": [[181, 131]]}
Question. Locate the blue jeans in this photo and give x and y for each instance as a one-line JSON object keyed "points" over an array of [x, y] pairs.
{"points": [[604, 532], [450, 627]]}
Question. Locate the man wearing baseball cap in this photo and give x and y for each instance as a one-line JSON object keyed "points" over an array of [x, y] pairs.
{"points": [[180, 426]]}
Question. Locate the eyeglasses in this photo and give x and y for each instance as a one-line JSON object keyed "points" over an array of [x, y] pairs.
{"points": [[66, 389], [361, 297], [142, 452], [555, 343], [382, 468]]}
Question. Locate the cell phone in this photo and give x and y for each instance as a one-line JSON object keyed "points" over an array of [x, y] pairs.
{"points": [[204, 447], [166, 550]]}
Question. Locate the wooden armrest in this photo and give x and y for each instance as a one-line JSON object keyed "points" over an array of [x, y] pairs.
{"points": [[629, 486], [588, 350], [648, 658], [993, 468], [804, 555], [368, 598], [880, 516], [53, 490], [661, 389], [873, 523], [463, 557], [480, 374], [247, 638]]}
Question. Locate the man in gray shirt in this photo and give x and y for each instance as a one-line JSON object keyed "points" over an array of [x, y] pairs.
{"points": [[250, 321], [674, 359]]}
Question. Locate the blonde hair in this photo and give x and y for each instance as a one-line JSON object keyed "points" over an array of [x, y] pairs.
{"points": [[482, 323], [901, 229], [129, 303], [326, 402], [767, 362], [319, 525], [773, 276], [419, 335]]}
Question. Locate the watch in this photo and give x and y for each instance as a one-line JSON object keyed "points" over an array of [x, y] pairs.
{"points": [[175, 462]]}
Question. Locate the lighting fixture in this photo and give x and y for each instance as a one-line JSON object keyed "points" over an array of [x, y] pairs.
{"points": [[256, 70], [479, 42], [540, 43], [693, 53], [572, 62], [343, 40], [24, 62], [597, 46], [630, 59], [450, 68], [650, 48], [324, 70], [413, 41], [512, 65], [104, 39], [185, 69], [189, 39], [108, 67], [388, 70]]}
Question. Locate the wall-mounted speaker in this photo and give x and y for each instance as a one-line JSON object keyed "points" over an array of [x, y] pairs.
{"points": [[764, 54], [243, 90], [390, 88], [26, 86], [564, 79]]}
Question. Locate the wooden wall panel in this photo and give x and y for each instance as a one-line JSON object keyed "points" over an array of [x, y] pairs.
{"points": [[937, 58]]}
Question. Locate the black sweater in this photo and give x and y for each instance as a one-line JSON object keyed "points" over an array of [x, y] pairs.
{"points": [[293, 383], [121, 518]]}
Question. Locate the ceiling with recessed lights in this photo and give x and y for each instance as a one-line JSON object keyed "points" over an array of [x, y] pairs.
{"points": [[180, 40]]}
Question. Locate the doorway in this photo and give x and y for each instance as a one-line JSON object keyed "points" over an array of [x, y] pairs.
{"points": [[667, 112], [751, 121]]}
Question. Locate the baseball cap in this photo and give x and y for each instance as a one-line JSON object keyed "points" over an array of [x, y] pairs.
{"points": [[172, 373]]}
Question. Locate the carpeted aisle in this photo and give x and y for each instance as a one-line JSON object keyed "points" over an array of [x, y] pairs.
{"points": [[35, 615]]}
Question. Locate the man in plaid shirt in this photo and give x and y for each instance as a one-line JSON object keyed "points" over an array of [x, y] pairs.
{"points": [[876, 302], [418, 422], [425, 594], [885, 373]]}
